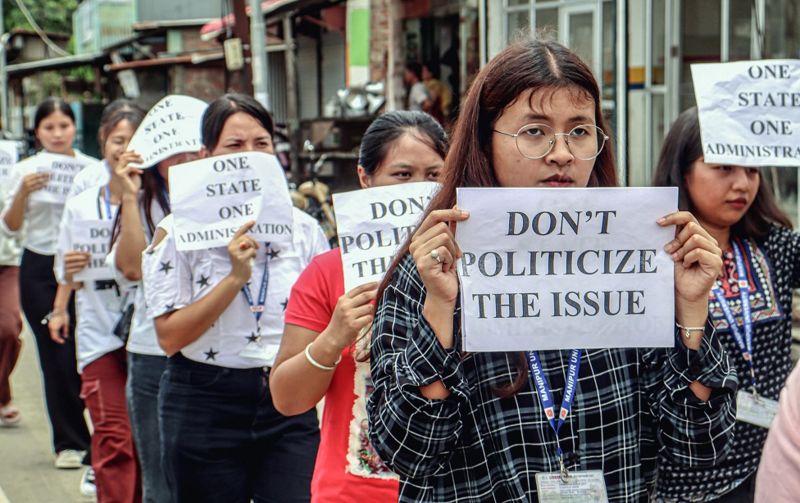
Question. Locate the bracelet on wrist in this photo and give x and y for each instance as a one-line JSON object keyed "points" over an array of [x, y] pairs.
{"points": [[687, 331], [317, 364], [52, 314]]}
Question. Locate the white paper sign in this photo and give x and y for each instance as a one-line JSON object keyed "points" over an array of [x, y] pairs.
{"points": [[93, 236], [8, 158], [372, 223], [749, 112], [566, 268], [171, 127], [62, 170], [211, 198]]}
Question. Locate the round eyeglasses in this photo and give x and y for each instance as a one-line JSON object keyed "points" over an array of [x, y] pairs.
{"points": [[534, 141]]}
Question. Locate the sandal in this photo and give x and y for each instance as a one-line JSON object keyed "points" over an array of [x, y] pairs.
{"points": [[9, 415]]}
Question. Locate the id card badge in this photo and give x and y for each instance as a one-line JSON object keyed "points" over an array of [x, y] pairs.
{"points": [[113, 302], [580, 487], [259, 351], [755, 409]]}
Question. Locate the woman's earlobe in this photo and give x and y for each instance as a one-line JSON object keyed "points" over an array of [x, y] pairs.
{"points": [[364, 179]]}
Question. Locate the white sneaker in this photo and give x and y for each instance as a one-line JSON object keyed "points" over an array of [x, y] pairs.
{"points": [[69, 459], [87, 486]]}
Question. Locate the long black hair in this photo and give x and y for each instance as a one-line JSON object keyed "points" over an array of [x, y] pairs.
{"points": [[681, 148], [220, 110], [50, 106], [389, 127], [119, 110], [47, 108], [527, 65]]}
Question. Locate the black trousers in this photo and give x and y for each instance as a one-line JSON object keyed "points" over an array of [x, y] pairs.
{"points": [[62, 383], [223, 440]]}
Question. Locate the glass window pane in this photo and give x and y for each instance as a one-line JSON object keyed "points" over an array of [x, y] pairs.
{"points": [[547, 19], [700, 42], [580, 38], [658, 41], [609, 77], [739, 28], [782, 29], [512, 3], [518, 24], [657, 130]]}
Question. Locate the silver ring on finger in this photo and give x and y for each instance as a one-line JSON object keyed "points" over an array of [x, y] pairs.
{"points": [[435, 255]]}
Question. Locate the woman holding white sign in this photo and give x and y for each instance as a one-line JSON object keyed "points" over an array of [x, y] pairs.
{"points": [[750, 304], [145, 202], [318, 355], [83, 242], [471, 427], [219, 317], [37, 221]]}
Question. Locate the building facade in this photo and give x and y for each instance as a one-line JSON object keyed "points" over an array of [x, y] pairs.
{"points": [[642, 51]]}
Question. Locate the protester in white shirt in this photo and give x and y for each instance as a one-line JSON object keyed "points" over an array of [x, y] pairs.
{"points": [[96, 174], [99, 303], [36, 224], [222, 439], [10, 319], [145, 202]]}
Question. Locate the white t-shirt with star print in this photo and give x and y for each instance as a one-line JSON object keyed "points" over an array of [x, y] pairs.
{"points": [[173, 280]]}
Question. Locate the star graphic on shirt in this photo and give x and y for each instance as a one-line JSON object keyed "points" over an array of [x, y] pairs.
{"points": [[273, 253], [253, 337], [165, 267], [203, 281], [211, 354], [170, 307], [284, 304]]}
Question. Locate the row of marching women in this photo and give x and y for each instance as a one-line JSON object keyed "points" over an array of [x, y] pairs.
{"points": [[174, 292]]}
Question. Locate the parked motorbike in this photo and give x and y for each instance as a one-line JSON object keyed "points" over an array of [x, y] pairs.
{"points": [[314, 197]]}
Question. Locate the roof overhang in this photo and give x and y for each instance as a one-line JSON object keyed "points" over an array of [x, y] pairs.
{"points": [[23, 69]]}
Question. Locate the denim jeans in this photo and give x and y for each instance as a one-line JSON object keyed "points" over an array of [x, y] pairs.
{"points": [[144, 377], [223, 440]]}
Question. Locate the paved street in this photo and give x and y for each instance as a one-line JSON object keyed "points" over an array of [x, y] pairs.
{"points": [[27, 474]]}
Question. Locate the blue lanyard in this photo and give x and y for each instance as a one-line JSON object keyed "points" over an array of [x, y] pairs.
{"points": [[745, 343], [258, 309], [546, 396], [107, 201]]}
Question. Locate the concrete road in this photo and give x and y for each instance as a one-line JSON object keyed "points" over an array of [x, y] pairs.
{"points": [[27, 474]]}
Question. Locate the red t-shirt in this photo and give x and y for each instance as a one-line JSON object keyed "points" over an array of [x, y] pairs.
{"points": [[347, 467]]}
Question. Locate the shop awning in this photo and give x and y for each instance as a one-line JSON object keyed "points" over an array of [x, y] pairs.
{"points": [[270, 8], [187, 59], [22, 69]]}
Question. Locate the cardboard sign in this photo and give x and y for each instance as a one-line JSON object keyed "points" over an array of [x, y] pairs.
{"points": [[566, 268], [211, 198], [749, 112], [93, 236], [171, 127], [62, 170], [8, 158], [372, 223]]}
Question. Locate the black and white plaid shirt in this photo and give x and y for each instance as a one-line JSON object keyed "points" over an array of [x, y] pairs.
{"points": [[630, 406]]}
